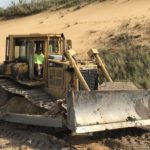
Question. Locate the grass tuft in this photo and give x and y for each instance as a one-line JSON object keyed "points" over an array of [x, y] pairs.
{"points": [[130, 63], [25, 8]]}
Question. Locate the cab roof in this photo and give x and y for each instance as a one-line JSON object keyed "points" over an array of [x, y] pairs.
{"points": [[37, 35]]}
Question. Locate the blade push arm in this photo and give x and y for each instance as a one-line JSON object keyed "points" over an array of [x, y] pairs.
{"points": [[69, 54], [100, 64]]}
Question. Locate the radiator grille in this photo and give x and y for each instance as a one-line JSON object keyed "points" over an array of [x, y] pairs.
{"points": [[91, 77]]}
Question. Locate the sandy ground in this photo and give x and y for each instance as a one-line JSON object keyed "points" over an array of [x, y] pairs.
{"points": [[86, 26], [8, 144], [14, 137]]}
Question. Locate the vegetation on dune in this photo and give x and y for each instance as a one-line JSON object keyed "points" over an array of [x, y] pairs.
{"points": [[1, 12], [24, 7], [130, 63]]}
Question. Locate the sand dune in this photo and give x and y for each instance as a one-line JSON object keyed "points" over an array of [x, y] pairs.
{"points": [[84, 26]]}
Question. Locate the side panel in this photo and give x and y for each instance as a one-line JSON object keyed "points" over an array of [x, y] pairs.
{"points": [[11, 49], [58, 81], [19, 71], [1, 69]]}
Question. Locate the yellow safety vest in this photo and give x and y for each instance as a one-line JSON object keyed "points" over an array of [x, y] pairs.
{"points": [[38, 59]]}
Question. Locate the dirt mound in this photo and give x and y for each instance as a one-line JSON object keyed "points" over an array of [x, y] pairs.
{"points": [[88, 27], [124, 139], [129, 142], [130, 32]]}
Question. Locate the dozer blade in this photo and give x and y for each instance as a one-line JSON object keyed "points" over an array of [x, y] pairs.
{"points": [[106, 110]]}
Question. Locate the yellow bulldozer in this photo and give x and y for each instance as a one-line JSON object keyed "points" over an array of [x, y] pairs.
{"points": [[68, 93]]}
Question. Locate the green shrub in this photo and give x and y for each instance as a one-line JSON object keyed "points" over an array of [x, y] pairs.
{"points": [[24, 8], [1, 12]]}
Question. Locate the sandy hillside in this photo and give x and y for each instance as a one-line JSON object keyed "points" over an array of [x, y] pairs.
{"points": [[87, 26]]}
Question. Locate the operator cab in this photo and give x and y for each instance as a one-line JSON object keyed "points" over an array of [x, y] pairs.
{"points": [[20, 52]]}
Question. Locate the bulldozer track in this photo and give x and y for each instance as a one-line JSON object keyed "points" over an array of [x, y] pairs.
{"points": [[37, 139], [37, 96], [33, 139]]}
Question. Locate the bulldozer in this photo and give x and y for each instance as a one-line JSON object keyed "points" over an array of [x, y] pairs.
{"points": [[68, 93]]}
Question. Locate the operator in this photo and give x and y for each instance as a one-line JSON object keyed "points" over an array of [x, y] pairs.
{"points": [[38, 61]]}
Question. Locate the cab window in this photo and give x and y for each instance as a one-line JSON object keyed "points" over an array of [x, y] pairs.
{"points": [[53, 46], [20, 50]]}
